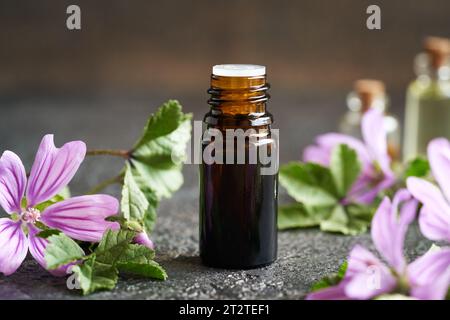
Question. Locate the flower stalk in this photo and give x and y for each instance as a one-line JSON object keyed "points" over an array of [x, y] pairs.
{"points": [[109, 152]]}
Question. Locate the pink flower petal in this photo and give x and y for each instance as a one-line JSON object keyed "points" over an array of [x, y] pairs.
{"points": [[329, 140], [363, 191], [331, 293], [389, 226], [434, 219], [429, 275], [317, 154], [37, 250], [13, 246], [82, 218], [439, 157], [143, 239], [53, 169], [367, 277], [374, 137], [12, 182]]}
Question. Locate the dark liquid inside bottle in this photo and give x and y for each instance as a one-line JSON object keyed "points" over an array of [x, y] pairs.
{"points": [[238, 202], [238, 216]]}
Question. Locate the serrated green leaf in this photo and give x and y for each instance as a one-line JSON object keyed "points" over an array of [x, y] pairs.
{"points": [[297, 216], [61, 250], [332, 279], [342, 269], [164, 122], [138, 260], [136, 253], [345, 168], [325, 282], [418, 167], [157, 156], [133, 204], [150, 269], [94, 276], [47, 233], [309, 183], [150, 214], [340, 221], [113, 245]]}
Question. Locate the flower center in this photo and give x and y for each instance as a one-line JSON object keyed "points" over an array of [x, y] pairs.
{"points": [[31, 215]]}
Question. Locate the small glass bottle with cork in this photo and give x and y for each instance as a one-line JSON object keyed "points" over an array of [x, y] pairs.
{"points": [[427, 113], [367, 94]]}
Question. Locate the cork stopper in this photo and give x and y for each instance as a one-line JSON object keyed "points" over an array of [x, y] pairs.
{"points": [[368, 90], [438, 50]]}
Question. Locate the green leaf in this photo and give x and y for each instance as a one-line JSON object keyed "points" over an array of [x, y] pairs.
{"points": [[113, 245], [61, 250], [344, 222], [62, 195], [93, 275], [156, 158], [297, 216], [418, 167], [138, 260], [342, 269], [47, 233], [309, 183], [150, 269], [134, 204], [330, 280], [345, 168], [150, 214]]}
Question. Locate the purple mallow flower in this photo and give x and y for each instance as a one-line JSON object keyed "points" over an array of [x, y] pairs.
{"points": [[368, 277], [434, 219], [81, 218], [376, 174]]}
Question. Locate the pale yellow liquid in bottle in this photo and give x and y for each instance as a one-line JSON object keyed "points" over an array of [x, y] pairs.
{"points": [[427, 115]]}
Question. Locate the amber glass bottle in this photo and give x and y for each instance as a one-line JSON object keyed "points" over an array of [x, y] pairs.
{"points": [[238, 199]]}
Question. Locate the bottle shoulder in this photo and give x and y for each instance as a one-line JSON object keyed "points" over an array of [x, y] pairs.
{"points": [[429, 89], [242, 120]]}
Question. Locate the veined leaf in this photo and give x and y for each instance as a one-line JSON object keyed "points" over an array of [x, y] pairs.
{"points": [[297, 216], [156, 158], [134, 204], [345, 168], [94, 276], [308, 183], [61, 250]]}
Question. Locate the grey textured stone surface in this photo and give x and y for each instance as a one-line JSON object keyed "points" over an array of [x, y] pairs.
{"points": [[304, 255]]}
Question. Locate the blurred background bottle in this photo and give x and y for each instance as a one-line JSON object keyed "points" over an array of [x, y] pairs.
{"points": [[427, 113], [369, 94]]}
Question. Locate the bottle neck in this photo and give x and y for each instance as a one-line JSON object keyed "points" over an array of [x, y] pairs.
{"points": [[428, 68], [238, 100], [361, 103]]}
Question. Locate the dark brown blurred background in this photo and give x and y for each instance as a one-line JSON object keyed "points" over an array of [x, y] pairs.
{"points": [[144, 45], [99, 84]]}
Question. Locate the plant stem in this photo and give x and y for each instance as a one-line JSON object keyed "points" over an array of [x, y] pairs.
{"points": [[109, 152], [102, 185]]}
